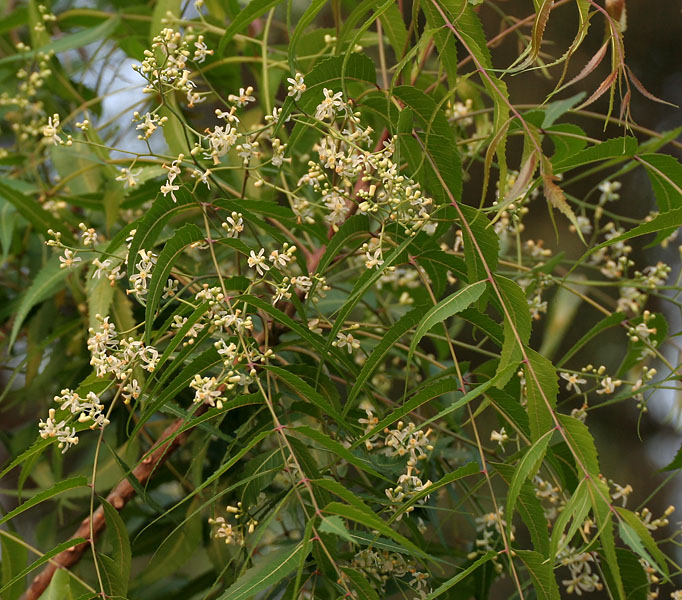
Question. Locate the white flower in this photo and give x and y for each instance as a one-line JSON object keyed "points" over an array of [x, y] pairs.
{"points": [[202, 50], [374, 260], [102, 268], [279, 259], [609, 385], [500, 437], [128, 177], [50, 135], [331, 104], [346, 341], [243, 98], [202, 177], [69, 259], [167, 188], [257, 261], [573, 381], [234, 225], [297, 86]]}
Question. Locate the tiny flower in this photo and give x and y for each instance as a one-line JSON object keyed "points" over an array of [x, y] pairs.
{"points": [[500, 437], [257, 261], [573, 381], [329, 106], [233, 225], [167, 188], [609, 385], [346, 340], [69, 259], [297, 86], [128, 177], [50, 131], [374, 260], [243, 98]]}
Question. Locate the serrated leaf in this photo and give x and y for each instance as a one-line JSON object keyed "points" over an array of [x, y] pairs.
{"points": [[575, 511], [517, 327], [527, 467], [638, 537], [69, 41], [581, 443], [45, 284], [35, 214], [338, 450], [120, 543], [336, 526], [397, 330], [274, 567], [622, 147], [542, 390], [531, 511], [34, 565], [395, 30], [462, 575], [446, 308], [371, 521], [186, 235], [56, 489], [149, 226], [14, 557], [541, 571]]}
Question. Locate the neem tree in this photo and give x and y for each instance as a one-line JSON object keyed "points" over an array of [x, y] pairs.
{"points": [[302, 337]]}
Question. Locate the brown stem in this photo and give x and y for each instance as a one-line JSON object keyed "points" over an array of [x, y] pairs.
{"points": [[118, 498]]}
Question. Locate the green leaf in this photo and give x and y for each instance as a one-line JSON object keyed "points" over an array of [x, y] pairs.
{"points": [[635, 580], [395, 30], [354, 230], [35, 214], [581, 442], [517, 326], [542, 390], [556, 109], [599, 494], [201, 363], [274, 567], [14, 557], [186, 235], [529, 507], [69, 41], [541, 571], [446, 308], [176, 548], [622, 147], [576, 511], [120, 543], [59, 588], [371, 521], [462, 575], [250, 13], [339, 451], [527, 467], [467, 470], [397, 330], [445, 42], [305, 391], [34, 565], [149, 226], [336, 525], [56, 489], [45, 284], [607, 322], [438, 138], [638, 537]]}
